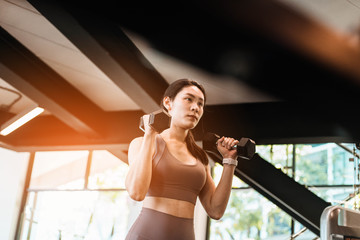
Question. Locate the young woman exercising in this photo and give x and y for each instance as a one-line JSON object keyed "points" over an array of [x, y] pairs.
{"points": [[168, 170]]}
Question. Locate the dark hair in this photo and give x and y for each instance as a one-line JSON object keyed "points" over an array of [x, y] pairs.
{"points": [[173, 89]]}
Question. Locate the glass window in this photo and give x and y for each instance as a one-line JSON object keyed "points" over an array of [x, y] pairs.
{"points": [[342, 169], [325, 168], [59, 170], [250, 216], [334, 195], [281, 156], [59, 207], [107, 171], [76, 215], [323, 164], [217, 171]]}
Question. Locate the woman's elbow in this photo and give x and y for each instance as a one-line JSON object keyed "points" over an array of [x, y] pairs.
{"points": [[216, 215], [134, 195], [137, 197]]}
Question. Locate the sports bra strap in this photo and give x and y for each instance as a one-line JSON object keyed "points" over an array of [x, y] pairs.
{"points": [[159, 149]]}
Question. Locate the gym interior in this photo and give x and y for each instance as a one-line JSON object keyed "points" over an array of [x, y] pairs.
{"points": [[282, 73]]}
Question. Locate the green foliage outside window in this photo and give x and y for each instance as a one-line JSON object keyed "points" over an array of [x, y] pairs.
{"points": [[251, 216]]}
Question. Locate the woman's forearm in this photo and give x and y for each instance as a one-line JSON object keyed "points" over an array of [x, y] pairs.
{"points": [[222, 192], [140, 169]]}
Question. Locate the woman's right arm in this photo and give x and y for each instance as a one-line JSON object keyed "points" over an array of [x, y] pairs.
{"points": [[141, 151]]}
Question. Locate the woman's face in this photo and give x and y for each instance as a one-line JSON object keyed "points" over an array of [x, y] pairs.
{"points": [[187, 107]]}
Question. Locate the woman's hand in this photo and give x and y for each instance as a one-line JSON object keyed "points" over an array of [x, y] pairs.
{"points": [[225, 146], [148, 129]]}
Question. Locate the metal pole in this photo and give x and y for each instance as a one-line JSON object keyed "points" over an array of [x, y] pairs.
{"points": [[24, 195]]}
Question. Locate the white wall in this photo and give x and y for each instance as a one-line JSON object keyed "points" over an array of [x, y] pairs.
{"points": [[200, 221], [13, 168]]}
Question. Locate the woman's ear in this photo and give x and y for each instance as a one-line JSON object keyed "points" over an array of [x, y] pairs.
{"points": [[167, 103]]}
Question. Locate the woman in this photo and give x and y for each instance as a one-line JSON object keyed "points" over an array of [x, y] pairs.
{"points": [[168, 171]]}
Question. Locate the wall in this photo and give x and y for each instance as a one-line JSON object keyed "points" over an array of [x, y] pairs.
{"points": [[13, 168]]}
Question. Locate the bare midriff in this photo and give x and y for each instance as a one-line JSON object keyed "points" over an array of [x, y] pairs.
{"points": [[170, 206]]}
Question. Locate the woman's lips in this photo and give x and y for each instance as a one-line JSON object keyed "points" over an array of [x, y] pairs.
{"points": [[193, 117]]}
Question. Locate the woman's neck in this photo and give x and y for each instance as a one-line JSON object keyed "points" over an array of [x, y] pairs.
{"points": [[177, 134]]}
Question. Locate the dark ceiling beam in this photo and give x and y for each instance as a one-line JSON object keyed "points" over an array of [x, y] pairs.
{"points": [[46, 131], [118, 149], [303, 60], [266, 123], [33, 78], [285, 25], [108, 47], [120, 154], [283, 123], [266, 44]]}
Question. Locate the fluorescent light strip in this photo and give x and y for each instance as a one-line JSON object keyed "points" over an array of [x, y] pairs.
{"points": [[21, 121]]}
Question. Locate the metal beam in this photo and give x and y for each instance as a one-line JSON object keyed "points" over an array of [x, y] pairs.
{"points": [[284, 122], [48, 131], [33, 78], [120, 154], [24, 197], [110, 147], [305, 36], [108, 47], [266, 44], [266, 123]]}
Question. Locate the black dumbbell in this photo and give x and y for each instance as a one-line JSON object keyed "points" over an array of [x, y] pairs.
{"points": [[158, 120], [246, 147]]}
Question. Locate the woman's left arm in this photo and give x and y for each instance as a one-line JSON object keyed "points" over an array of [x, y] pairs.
{"points": [[215, 198]]}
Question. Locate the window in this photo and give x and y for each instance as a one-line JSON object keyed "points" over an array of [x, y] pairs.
{"points": [[324, 168], [62, 205], [59, 170]]}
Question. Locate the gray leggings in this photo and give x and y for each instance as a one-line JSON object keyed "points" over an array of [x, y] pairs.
{"points": [[154, 225]]}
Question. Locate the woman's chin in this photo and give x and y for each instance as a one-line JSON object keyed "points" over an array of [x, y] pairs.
{"points": [[189, 124], [192, 125]]}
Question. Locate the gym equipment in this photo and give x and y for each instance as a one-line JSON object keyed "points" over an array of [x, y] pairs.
{"points": [[158, 120], [337, 223], [246, 147]]}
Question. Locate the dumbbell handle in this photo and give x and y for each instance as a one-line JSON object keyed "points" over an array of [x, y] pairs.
{"points": [[239, 147], [218, 137]]}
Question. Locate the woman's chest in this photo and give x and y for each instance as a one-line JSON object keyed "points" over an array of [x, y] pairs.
{"points": [[182, 154]]}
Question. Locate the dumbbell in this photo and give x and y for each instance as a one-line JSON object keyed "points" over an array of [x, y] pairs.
{"points": [[158, 120], [246, 147]]}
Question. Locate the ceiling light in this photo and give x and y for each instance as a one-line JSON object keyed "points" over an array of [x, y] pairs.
{"points": [[20, 119]]}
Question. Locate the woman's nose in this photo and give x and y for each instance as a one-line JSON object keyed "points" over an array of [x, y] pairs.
{"points": [[194, 107]]}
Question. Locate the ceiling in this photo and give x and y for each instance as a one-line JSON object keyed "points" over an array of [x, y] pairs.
{"points": [[276, 71]]}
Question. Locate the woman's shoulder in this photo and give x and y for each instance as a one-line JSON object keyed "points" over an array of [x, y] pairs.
{"points": [[135, 143], [138, 140]]}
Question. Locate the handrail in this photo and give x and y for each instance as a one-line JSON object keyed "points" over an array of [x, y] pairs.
{"points": [[339, 221], [299, 233], [348, 150], [295, 235]]}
